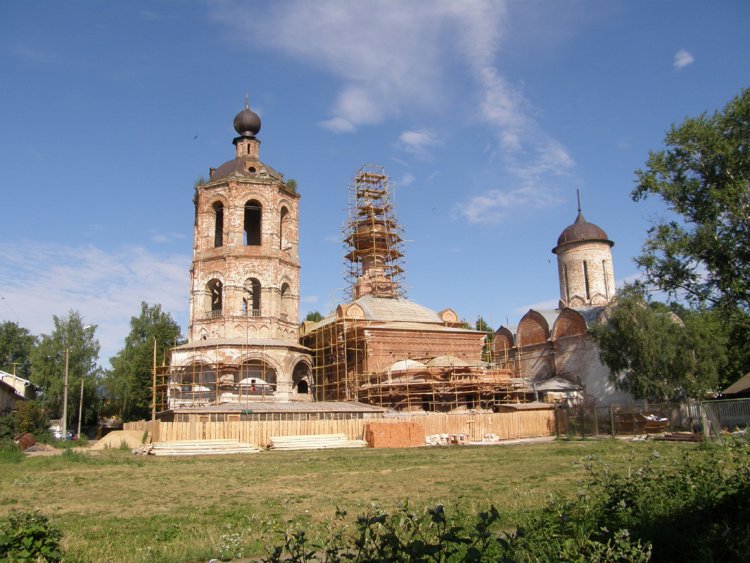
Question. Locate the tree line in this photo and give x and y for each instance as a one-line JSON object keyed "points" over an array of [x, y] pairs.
{"points": [[123, 391]]}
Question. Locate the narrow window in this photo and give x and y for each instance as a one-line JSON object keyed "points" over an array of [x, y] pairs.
{"points": [[283, 220], [215, 297], [567, 285], [253, 214], [218, 224], [606, 281], [586, 279]]}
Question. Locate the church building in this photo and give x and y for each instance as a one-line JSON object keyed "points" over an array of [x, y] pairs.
{"points": [[551, 350]]}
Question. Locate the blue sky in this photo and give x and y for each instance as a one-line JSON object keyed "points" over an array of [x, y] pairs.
{"points": [[487, 116]]}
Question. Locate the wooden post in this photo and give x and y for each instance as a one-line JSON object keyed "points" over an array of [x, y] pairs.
{"points": [[706, 424], [612, 428], [65, 397], [80, 410], [596, 420], [153, 385], [557, 422]]}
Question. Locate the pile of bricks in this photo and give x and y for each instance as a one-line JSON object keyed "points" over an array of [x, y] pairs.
{"points": [[394, 434]]}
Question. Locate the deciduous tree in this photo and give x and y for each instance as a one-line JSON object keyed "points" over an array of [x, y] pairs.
{"points": [[702, 252], [482, 325], [314, 316], [658, 352], [128, 385], [48, 367], [16, 344]]}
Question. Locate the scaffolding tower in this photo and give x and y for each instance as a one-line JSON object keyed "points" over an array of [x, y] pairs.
{"points": [[373, 238]]}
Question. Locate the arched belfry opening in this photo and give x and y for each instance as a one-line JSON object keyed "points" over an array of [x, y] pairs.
{"points": [[252, 222], [251, 299], [215, 297]]}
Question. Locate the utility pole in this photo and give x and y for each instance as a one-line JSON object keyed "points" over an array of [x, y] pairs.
{"points": [[65, 397], [80, 409], [153, 386]]}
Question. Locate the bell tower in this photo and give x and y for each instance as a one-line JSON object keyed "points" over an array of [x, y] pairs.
{"points": [[584, 264], [244, 279]]}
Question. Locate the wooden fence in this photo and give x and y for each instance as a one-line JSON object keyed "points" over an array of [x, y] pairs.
{"points": [[510, 425]]}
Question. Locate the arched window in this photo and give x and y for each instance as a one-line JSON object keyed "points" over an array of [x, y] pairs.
{"points": [[253, 215], [283, 228], [215, 296], [251, 300], [218, 224], [301, 378], [194, 383], [257, 378]]}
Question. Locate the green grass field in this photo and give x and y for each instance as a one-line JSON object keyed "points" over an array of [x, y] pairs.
{"points": [[118, 507]]}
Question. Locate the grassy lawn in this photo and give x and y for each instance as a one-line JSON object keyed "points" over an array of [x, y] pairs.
{"points": [[117, 507]]}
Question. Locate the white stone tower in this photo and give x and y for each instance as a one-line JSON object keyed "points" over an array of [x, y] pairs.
{"points": [[243, 337], [584, 264]]}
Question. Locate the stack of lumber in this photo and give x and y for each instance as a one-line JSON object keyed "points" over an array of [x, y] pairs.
{"points": [[202, 447], [314, 442]]}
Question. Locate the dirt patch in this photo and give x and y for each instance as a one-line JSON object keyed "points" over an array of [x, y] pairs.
{"points": [[114, 440]]}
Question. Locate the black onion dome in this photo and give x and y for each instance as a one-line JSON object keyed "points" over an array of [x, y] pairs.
{"points": [[581, 231], [247, 122]]}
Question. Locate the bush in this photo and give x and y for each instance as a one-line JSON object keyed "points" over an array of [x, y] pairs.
{"points": [[10, 452], [30, 417], [28, 536]]}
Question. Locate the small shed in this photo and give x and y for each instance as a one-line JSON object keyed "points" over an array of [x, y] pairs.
{"points": [[8, 398], [738, 389]]}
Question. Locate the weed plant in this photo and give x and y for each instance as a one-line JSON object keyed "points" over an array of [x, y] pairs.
{"points": [[29, 536]]}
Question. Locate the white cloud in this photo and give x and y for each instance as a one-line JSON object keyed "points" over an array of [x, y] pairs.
{"points": [[337, 125], [493, 205], [682, 58], [418, 142], [393, 56], [166, 238], [390, 54], [406, 180], [40, 280]]}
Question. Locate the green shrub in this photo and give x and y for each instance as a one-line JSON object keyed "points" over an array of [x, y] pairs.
{"points": [[30, 417], [7, 428], [10, 452], [28, 536]]}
